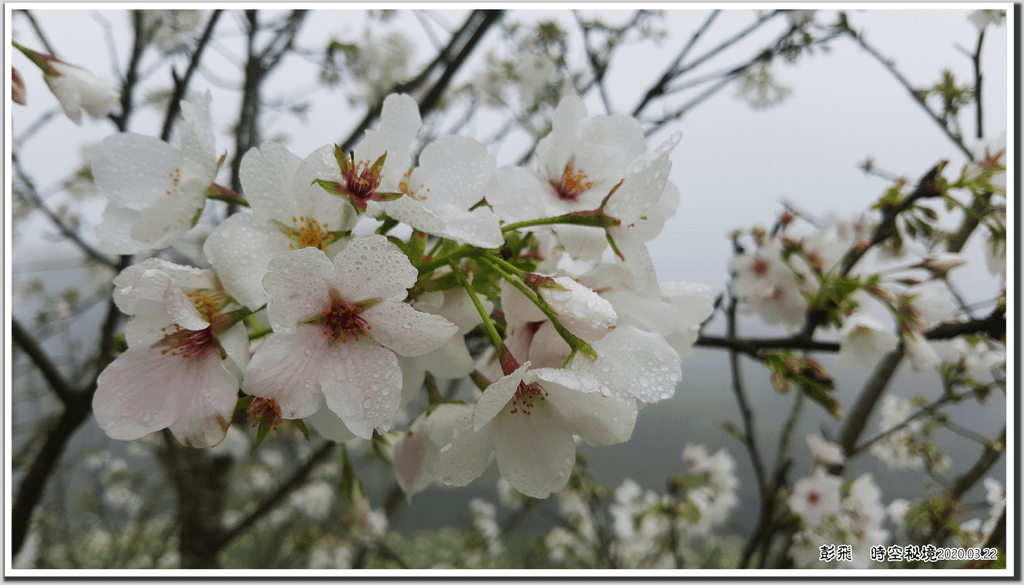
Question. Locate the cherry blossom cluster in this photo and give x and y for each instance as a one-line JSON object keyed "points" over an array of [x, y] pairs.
{"points": [[831, 511], [321, 313]]}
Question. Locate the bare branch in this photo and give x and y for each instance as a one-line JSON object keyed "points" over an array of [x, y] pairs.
{"points": [[181, 84], [891, 67]]}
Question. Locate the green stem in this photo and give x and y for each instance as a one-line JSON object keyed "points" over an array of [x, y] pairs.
{"points": [[508, 272], [448, 259], [595, 220], [492, 333]]}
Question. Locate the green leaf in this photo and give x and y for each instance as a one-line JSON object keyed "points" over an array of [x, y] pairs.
{"points": [[332, 187], [734, 431], [339, 155], [302, 427], [261, 433], [378, 164]]}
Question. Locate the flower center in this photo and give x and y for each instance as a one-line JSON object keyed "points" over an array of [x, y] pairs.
{"points": [[343, 320], [759, 267], [812, 498], [208, 302], [186, 342], [175, 179], [308, 233], [264, 410], [524, 397], [361, 182], [573, 183]]}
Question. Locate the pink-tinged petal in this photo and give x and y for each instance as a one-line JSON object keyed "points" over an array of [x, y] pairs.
{"points": [[371, 267], [134, 396], [517, 308], [407, 331], [597, 418], [208, 406], [467, 454], [297, 283], [547, 348], [286, 368], [266, 174], [535, 452], [414, 462], [495, 398], [240, 248], [329, 425], [362, 383]]}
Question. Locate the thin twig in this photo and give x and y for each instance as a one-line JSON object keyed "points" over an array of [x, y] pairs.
{"points": [[31, 193], [891, 67], [181, 84], [272, 501]]}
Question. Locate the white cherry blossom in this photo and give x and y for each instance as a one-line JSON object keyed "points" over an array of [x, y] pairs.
{"points": [[79, 89], [338, 326], [815, 497], [288, 211], [155, 190], [863, 340], [173, 374]]}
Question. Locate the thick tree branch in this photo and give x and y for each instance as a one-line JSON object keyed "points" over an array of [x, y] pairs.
{"points": [[65, 392]]}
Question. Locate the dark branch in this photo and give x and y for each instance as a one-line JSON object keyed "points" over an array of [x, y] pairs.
{"points": [[181, 84], [295, 481]]}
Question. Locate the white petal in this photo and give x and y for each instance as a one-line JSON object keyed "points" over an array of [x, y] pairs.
{"points": [[453, 170], [206, 412], [643, 184], [399, 123], [495, 398], [266, 174], [362, 383], [371, 267], [517, 194], [132, 396], [597, 418], [633, 363], [517, 308], [467, 455], [297, 283], [240, 248], [407, 331], [535, 453], [133, 170], [329, 425], [286, 368], [637, 261]]}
